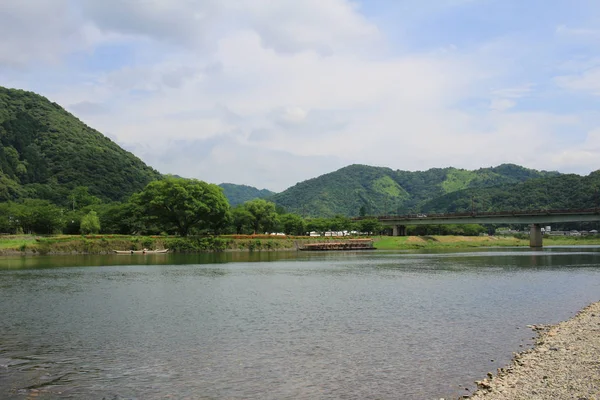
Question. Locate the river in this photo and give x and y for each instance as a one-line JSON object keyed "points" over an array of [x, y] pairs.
{"points": [[279, 325]]}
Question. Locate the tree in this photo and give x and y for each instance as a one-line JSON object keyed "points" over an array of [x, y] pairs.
{"points": [[340, 223], [7, 219], [122, 218], [292, 224], [80, 197], [90, 223], [72, 225], [369, 226], [241, 219], [264, 216], [38, 216], [362, 211], [184, 204], [320, 225]]}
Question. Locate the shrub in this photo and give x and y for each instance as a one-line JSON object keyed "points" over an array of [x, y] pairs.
{"points": [[148, 243]]}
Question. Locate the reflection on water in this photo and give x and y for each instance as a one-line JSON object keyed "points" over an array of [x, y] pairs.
{"points": [[278, 325]]}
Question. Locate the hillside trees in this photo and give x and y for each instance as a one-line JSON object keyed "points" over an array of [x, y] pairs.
{"points": [[366, 190], [80, 197], [183, 204], [239, 194], [9, 189], [47, 151]]}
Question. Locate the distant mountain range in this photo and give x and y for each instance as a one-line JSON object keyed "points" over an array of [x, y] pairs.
{"points": [[370, 190], [46, 152], [238, 194]]}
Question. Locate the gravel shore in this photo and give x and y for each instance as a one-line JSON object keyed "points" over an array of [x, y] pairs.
{"points": [[564, 364]]}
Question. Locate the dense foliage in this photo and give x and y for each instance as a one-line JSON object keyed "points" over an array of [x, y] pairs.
{"points": [[45, 152], [238, 194], [90, 223], [180, 205], [360, 189], [560, 192]]}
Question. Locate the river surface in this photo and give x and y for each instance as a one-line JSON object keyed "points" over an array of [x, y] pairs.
{"points": [[280, 325]]}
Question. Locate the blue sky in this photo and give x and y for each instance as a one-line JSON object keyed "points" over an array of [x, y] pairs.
{"points": [[271, 93]]}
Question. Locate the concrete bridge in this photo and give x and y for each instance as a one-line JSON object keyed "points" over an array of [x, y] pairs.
{"points": [[536, 218]]}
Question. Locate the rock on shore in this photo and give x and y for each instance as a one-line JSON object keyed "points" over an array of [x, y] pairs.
{"points": [[564, 364]]}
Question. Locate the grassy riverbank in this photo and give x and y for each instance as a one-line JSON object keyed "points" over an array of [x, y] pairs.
{"points": [[433, 242], [101, 244]]}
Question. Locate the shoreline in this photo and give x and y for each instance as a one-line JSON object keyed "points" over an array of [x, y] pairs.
{"points": [[30, 245], [563, 364]]}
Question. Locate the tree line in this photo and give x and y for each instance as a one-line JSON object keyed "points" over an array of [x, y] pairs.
{"points": [[171, 206]]}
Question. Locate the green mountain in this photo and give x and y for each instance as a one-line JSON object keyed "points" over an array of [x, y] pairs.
{"points": [[238, 194], [551, 193], [45, 152], [360, 189]]}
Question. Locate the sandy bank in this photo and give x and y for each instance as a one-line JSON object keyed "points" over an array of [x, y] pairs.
{"points": [[564, 364]]}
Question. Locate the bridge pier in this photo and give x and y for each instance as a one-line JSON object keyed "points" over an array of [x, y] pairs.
{"points": [[399, 230], [535, 236]]}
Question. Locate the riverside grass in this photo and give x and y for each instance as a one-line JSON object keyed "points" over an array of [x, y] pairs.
{"points": [[103, 244], [441, 242]]}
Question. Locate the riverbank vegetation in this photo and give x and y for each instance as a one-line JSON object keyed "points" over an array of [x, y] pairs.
{"points": [[452, 241], [188, 215], [105, 244], [167, 207]]}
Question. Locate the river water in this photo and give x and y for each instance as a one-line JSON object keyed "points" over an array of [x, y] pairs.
{"points": [[364, 325]]}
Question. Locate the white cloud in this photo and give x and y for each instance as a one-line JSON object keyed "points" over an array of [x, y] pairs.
{"points": [[577, 33], [27, 32], [325, 26], [290, 116], [36, 31], [516, 92], [505, 99], [268, 93], [301, 109], [581, 156], [502, 104], [586, 81]]}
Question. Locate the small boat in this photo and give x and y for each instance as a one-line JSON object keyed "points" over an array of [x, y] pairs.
{"points": [[144, 251]]}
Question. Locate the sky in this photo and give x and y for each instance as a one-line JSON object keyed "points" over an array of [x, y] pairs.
{"points": [[268, 93]]}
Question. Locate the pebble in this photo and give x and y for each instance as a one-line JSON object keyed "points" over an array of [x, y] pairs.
{"points": [[547, 371]]}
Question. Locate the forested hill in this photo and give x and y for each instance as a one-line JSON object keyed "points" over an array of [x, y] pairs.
{"points": [[45, 152], [560, 192], [361, 189], [238, 194]]}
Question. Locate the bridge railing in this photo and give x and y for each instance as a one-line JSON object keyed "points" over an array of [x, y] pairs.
{"points": [[484, 214]]}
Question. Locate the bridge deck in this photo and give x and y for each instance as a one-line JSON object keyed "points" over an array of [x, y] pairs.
{"points": [[503, 217]]}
